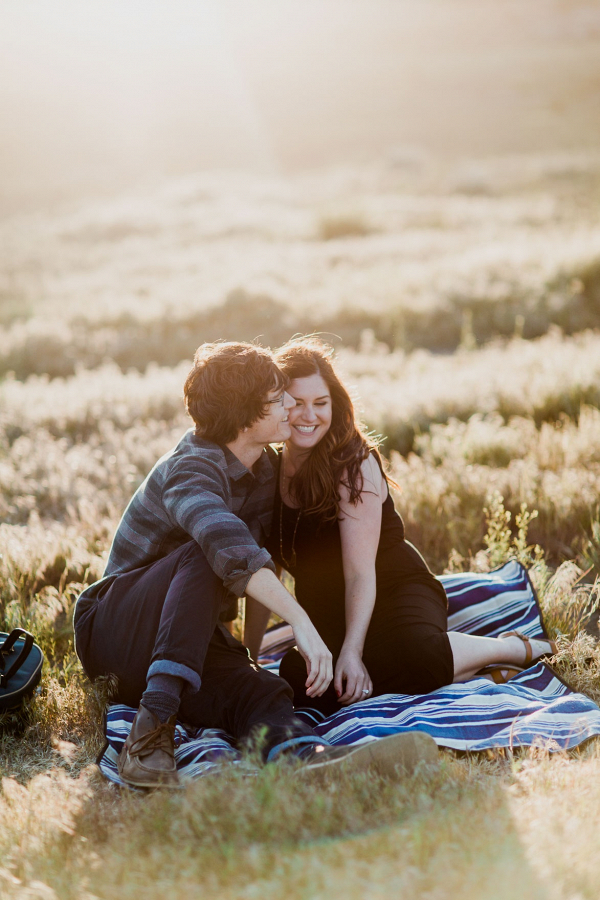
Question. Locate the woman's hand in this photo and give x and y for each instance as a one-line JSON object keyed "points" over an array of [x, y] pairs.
{"points": [[318, 659], [352, 678]]}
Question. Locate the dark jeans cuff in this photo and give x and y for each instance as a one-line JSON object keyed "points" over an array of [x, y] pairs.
{"points": [[168, 667]]}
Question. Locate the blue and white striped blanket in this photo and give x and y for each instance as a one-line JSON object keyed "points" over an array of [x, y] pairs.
{"points": [[535, 707]]}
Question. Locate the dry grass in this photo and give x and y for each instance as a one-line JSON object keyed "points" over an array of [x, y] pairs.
{"points": [[420, 257], [343, 224], [232, 837], [475, 828], [455, 832], [554, 470], [511, 428], [75, 449], [403, 395]]}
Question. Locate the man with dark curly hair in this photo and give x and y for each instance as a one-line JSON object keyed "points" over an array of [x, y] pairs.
{"points": [[189, 543]]}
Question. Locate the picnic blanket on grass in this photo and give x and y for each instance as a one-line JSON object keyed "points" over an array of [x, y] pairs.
{"points": [[534, 708]]}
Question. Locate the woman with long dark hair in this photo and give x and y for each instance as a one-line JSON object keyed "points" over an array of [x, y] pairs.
{"points": [[368, 591]]}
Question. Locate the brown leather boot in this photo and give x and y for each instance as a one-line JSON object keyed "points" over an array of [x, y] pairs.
{"points": [[148, 755], [393, 756]]}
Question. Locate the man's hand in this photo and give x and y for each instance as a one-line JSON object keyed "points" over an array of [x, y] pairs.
{"points": [[318, 659], [265, 587], [351, 678]]}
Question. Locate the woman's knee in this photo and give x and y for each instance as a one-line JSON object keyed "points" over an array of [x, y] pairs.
{"points": [[420, 665], [435, 666]]}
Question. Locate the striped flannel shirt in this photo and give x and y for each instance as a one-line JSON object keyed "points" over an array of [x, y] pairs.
{"points": [[202, 491]]}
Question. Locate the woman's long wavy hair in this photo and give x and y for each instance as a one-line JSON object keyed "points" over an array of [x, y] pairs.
{"points": [[338, 456]]}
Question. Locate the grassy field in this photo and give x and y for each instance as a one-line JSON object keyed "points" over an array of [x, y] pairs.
{"points": [[467, 301], [423, 253]]}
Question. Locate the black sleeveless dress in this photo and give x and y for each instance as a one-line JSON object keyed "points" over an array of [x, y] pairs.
{"points": [[406, 648]]}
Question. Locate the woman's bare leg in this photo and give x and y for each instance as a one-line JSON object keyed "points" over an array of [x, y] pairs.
{"points": [[472, 653]]}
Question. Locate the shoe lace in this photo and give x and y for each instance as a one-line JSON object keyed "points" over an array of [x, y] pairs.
{"points": [[161, 738]]}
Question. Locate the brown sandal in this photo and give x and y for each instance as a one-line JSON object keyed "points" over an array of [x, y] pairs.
{"points": [[500, 674], [527, 642]]}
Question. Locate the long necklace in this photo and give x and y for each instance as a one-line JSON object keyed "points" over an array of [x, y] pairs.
{"points": [[291, 563]]}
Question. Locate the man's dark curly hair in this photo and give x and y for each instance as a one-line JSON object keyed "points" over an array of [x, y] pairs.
{"points": [[227, 387]]}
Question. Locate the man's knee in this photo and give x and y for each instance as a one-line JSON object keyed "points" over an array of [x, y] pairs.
{"points": [[189, 561], [190, 554]]}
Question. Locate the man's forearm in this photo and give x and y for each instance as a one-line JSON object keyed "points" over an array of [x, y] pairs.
{"points": [[265, 587], [256, 620]]}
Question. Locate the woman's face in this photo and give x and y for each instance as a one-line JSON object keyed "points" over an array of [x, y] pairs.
{"points": [[310, 418]]}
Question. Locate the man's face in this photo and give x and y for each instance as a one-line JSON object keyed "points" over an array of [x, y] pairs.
{"points": [[273, 427]]}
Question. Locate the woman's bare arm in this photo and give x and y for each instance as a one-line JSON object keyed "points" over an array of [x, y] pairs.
{"points": [[360, 529]]}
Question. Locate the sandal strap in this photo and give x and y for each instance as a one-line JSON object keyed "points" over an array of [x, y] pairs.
{"points": [[528, 650], [526, 641], [499, 673]]}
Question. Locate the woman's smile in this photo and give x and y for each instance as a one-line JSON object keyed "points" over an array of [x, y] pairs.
{"points": [[310, 418]]}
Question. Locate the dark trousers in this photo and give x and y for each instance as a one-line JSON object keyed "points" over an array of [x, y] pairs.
{"points": [[164, 618], [407, 650]]}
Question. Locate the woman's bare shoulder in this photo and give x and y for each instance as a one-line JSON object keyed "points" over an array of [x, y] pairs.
{"points": [[373, 477], [373, 481]]}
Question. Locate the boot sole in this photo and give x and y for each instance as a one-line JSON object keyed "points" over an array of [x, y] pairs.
{"points": [[397, 754], [132, 782], [161, 785]]}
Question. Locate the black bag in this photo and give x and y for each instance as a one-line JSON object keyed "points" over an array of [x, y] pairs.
{"points": [[20, 668]]}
